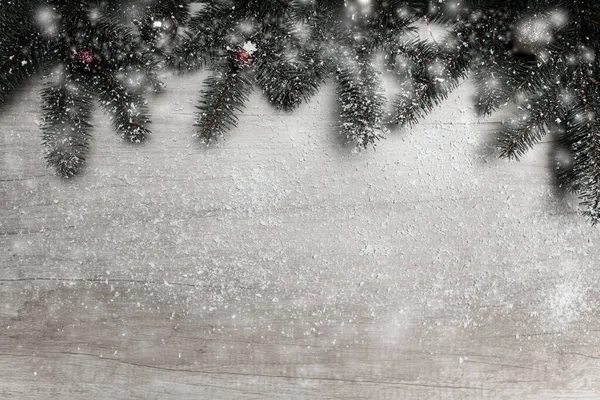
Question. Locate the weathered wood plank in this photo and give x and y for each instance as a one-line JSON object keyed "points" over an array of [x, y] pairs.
{"points": [[281, 264]]}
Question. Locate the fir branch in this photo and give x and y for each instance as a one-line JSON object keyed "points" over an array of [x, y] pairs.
{"points": [[505, 79], [532, 125], [287, 83], [90, 52], [170, 15], [129, 11], [67, 110], [17, 63], [303, 11], [145, 70], [389, 18], [584, 129], [360, 99], [414, 100], [128, 112], [204, 41], [226, 91], [266, 9], [14, 69], [506, 76], [423, 90], [115, 41], [176, 10], [433, 73], [191, 54], [480, 34], [212, 16], [416, 50]]}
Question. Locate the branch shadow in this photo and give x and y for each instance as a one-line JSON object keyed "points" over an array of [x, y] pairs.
{"points": [[559, 159], [563, 177]]}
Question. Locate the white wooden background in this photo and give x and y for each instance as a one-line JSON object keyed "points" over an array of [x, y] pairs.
{"points": [[281, 264]]}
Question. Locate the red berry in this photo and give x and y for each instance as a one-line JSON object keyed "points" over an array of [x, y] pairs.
{"points": [[243, 58], [86, 56]]}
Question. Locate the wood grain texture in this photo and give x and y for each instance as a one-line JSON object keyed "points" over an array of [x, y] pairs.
{"points": [[281, 264]]}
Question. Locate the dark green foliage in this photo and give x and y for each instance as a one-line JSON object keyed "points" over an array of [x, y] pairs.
{"points": [[431, 75], [226, 91], [86, 52], [583, 130], [221, 36], [286, 82], [360, 100], [17, 61], [551, 78], [68, 107], [127, 109], [530, 125], [158, 22], [298, 48]]}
